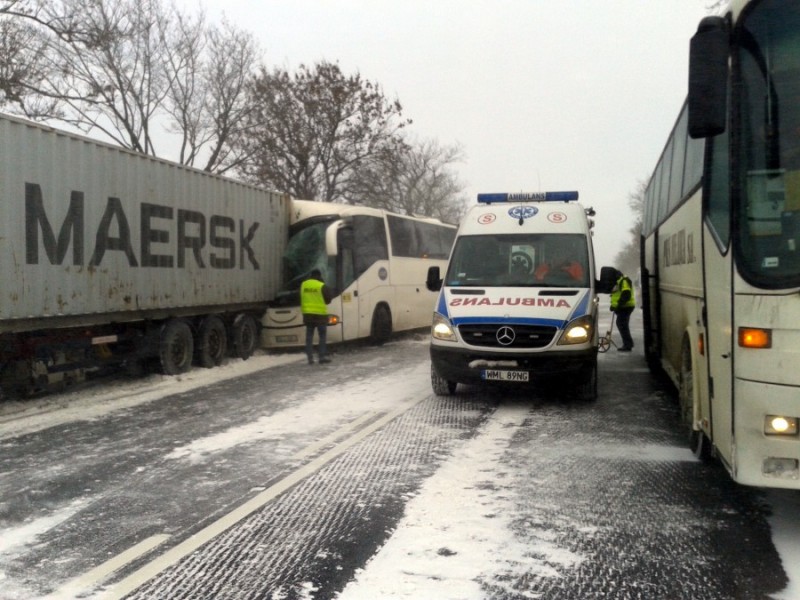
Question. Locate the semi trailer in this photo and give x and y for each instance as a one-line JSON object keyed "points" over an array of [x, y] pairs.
{"points": [[109, 257]]}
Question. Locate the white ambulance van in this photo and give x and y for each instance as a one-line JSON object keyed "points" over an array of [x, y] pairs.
{"points": [[518, 302]]}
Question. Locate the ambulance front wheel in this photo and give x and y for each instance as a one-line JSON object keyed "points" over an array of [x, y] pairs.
{"points": [[442, 387], [587, 386]]}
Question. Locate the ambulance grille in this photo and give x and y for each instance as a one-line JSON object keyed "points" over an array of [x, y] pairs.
{"points": [[525, 336]]}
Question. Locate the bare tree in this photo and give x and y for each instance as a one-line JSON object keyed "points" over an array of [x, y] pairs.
{"points": [[418, 179], [309, 132], [208, 99], [627, 259], [128, 68]]}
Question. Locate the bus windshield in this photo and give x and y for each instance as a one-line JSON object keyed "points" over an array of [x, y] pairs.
{"points": [[769, 149], [304, 252], [535, 260]]}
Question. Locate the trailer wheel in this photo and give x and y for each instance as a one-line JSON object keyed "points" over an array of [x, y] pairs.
{"points": [[176, 347], [212, 342], [381, 329], [442, 387], [245, 336]]}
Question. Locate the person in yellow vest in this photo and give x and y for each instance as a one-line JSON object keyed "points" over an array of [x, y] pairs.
{"points": [[623, 303], [314, 297]]}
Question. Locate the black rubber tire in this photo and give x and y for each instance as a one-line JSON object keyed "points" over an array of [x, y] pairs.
{"points": [[176, 347], [442, 387], [381, 329], [212, 342], [587, 386], [699, 444], [244, 336]]}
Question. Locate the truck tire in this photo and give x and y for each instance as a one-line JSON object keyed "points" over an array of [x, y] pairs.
{"points": [[212, 342], [176, 347], [244, 336], [381, 329], [442, 387]]}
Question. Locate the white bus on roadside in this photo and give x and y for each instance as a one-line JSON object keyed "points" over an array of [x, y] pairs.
{"points": [[721, 245], [375, 261]]}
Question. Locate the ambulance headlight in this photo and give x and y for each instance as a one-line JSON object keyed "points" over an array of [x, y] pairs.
{"points": [[577, 332], [442, 329]]}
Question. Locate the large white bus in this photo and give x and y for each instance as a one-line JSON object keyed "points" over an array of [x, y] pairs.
{"points": [[721, 245], [375, 261]]}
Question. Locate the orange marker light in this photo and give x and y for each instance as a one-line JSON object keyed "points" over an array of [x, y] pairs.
{"points": [[750, 337]]}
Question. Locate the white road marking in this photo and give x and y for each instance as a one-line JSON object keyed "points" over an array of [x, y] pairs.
{"points": [[174, 555], [333, 437], [91, 578]]}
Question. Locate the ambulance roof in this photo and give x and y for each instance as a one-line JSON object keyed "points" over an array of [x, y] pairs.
{"points": [[534, 212]]}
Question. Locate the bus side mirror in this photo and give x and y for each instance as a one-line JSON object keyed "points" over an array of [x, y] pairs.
{"points": [[708, 78], [434, 281], [608, 279]]}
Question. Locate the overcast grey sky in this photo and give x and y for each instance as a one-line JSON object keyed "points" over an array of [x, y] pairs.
{"points": [[541, 94]]}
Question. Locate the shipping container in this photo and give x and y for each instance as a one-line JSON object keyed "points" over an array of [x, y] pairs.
{"points": [[112, 256]]}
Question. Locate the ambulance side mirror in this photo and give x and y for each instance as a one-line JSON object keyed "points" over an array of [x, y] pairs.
{"points": [[607, 281], [434, 281]]}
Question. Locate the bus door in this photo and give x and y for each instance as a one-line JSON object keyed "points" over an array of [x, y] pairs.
{"points": [[719, 297], [347, 285]]}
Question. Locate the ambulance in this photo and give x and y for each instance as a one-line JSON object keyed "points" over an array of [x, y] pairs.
{"points": [[518, 302]]}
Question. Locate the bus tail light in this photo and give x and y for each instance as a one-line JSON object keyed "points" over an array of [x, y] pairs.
{"points": [[780, 425], [333, 320], [751, 337]]}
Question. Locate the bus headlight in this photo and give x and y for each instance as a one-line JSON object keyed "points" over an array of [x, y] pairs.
{"points": [[442, 329], [577, 332], [780, 425]]}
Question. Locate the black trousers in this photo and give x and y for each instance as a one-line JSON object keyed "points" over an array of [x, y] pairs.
{"points": [[623, 325]]}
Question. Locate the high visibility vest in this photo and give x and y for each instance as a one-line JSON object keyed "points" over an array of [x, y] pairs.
{"points": [[312, 302], [623, 283]]}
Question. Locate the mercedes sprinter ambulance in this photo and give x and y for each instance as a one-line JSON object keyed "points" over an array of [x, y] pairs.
{"points": [[518, 302]]}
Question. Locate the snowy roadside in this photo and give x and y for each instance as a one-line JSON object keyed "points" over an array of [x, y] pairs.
{"points": [[785, 524], [87, 403]]}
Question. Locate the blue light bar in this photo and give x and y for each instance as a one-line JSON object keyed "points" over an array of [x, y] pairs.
{"points": [[528, 197]]}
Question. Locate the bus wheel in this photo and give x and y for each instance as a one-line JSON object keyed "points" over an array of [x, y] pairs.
{"points": [[381, 329], [587, 384], [212, 342], [245, 336], [442, 387], [697, 439], [176, 347]]}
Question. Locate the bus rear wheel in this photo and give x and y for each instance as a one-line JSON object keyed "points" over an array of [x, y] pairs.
{"points": [[381, 329]]}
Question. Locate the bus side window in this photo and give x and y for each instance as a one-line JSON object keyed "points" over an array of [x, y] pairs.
{"points": [[718, 204]]}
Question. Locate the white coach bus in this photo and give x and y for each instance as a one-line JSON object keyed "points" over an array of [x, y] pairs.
{"points": [[375, 261], [721, 245]]}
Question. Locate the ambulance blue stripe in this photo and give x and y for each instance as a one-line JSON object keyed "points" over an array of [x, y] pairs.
{"points": [[441, 307], [510, 321], [582, 308]]}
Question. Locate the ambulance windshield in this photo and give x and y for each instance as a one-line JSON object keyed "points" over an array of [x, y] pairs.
{"points": [[535, 260]]}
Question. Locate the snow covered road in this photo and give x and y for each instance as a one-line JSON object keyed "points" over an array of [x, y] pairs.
{"points": [[354, 481]]}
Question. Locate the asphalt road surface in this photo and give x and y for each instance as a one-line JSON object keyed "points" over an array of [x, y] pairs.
{"points": [[310, 482]]}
